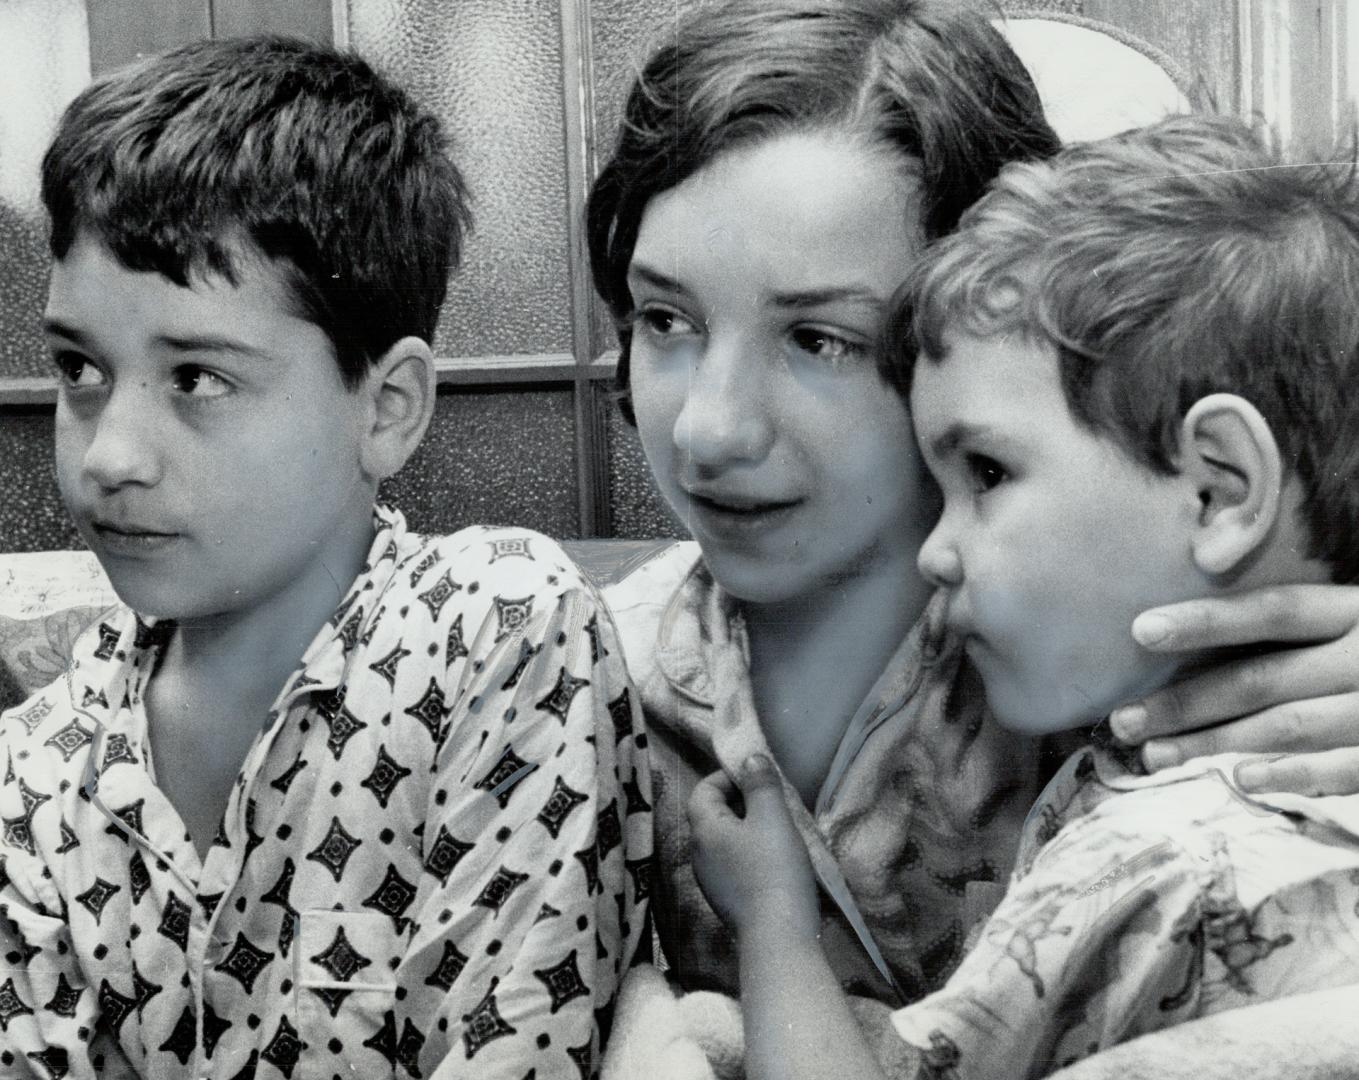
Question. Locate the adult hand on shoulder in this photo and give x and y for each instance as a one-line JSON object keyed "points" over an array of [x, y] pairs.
{"points": [[752, 864], [1300, 700]]}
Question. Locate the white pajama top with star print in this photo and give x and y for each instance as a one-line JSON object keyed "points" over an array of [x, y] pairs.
{"points": [[434, 862]]}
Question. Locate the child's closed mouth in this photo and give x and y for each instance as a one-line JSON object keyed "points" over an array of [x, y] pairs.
{"points": [[131, 536]]}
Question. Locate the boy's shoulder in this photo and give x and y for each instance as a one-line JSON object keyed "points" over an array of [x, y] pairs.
{"points": [[1099, 818], [46, 741], [481, 559], [449, 603]]}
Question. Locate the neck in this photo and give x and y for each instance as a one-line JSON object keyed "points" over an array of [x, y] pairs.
{"points": [[255, 649], [815, 658]]}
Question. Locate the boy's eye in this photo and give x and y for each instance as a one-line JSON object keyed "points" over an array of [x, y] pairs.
{"points": [[75, 370], [199, 382], [663, 322], [985, 472], [825, 345]]}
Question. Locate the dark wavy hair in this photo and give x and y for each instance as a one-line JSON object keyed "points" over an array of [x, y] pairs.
{"points": [[930, 78], [1164, 265], [185, 162]]}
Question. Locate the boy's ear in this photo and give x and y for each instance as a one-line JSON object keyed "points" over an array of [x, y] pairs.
{"points": [[1229, 453], [400, 387]]}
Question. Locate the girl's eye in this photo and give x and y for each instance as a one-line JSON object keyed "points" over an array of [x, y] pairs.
{"points": [[825, 345], [663, 322], [75, 370], [985, 472], [199, 382]]}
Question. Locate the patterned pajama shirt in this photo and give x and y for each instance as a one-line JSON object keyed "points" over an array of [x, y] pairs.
{"points": [[912, 834], [1141, 902], [434, 862]]}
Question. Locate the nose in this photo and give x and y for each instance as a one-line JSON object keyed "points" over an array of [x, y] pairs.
{"points": [[121, 449], [939, 561], [725, 419]]}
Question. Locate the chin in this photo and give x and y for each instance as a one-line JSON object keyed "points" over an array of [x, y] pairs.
{"points": [[156, 597], [1039, 714], [750, 580]]}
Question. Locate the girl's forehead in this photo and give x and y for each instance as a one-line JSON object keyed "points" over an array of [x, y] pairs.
{"points": [[796, 208]]}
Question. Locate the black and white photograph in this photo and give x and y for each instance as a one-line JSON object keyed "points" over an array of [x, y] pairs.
{"points": [[679, 539]]}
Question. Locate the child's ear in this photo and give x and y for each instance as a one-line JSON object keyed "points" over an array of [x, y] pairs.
{"points": [[1229, 453], [400, 387]]}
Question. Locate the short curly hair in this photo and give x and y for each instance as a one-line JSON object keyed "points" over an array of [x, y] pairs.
{"points": [[1166, 264]]}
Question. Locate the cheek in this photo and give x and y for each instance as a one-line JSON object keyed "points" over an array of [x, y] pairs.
{"points": [[71, 443], [880, 467], [657, 402]]}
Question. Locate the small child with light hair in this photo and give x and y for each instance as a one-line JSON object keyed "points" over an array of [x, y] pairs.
{"points": [[1129, 373]]}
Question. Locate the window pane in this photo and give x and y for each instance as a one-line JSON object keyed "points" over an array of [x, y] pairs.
{"points": [[492, 70], [636, 509], [31, 515], [493, 458], [44, 62]]}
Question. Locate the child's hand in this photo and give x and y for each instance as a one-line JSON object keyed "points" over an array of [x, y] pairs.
{"points": [[1302, 698], [752, 867]]}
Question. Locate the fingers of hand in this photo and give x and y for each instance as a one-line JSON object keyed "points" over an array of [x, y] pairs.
{"points": [[761, 788], [1334, 772], [1282, 613], [710, 802], [1242, 688], [1307, 726]]}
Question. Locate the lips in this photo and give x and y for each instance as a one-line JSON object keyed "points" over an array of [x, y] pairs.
{"points": [[741, 506], [737, 518], [736, 502], [128, 529], [130, 537]]}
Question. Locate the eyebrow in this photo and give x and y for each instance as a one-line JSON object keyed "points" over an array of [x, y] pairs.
{"points": [[797, 298], [178, 343], [838, 294], [655, 278], [213, 343], [955, 435], [56, 326]]}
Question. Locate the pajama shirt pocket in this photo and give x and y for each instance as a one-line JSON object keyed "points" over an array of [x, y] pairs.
{"points": [[346, 992]]}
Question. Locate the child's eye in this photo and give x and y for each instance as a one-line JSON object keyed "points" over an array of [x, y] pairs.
{"points": [[825, 345], [985, 472], [76, 370], [199, 382], [663, 322]]}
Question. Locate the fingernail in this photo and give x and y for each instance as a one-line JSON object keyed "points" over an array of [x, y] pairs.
{"points": [[1159, 754], [1254, 775], [754, 763], [1129, 723], [1152, 629]]}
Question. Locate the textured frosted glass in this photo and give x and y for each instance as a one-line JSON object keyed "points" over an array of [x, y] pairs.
{"points": [[31, 515], [44, 62], [495, 458], [636, 509], [492, 71]]}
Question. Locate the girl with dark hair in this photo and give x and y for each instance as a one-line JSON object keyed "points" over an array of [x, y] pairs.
{"points": [[779, 168]]}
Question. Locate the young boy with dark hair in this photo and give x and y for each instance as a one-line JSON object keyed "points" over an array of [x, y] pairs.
{"points": [[1132, 387], [324, 794]]}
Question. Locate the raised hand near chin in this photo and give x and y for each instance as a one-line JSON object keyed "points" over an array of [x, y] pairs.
{"points": [[748, 857]]}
